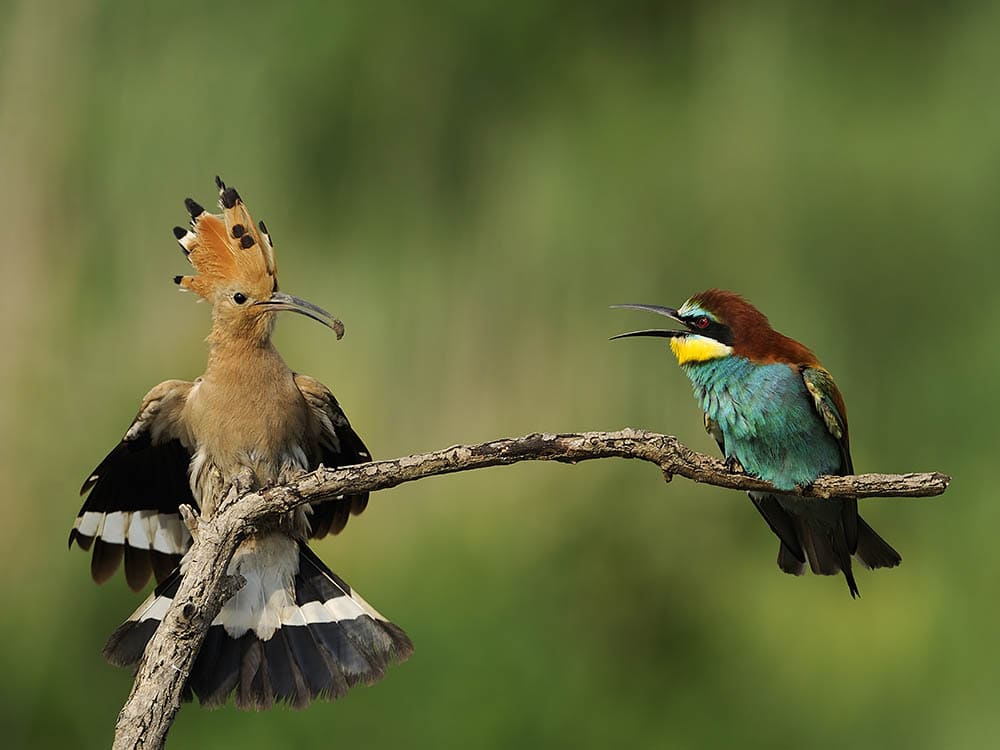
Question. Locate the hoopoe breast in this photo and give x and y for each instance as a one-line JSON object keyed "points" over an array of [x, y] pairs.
{"points": [[247, 422], [213, 472]]}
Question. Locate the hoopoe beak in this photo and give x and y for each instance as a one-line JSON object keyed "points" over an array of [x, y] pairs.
{"points": [[668, 312], [282, 301]]}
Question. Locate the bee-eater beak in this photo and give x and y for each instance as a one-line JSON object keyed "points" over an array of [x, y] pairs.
{"points": [[282, 301], [668, 312]]}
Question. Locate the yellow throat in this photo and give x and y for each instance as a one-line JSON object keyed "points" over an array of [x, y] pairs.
{"points": [[698, 349]]}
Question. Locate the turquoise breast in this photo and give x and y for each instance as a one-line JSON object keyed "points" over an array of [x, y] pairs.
{"points": [[767, 419]]}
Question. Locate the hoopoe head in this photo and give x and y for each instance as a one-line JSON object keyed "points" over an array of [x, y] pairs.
{"points": [[237, 274]]}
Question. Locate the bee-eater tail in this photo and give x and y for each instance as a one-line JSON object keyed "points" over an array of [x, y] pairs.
{"points": [[873, 551], [294, 633], [826, 551], [827, 548], [842, 550], [788, 562]]}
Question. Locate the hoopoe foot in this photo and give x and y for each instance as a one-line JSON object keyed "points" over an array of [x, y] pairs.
{"points": [[190, 517]]}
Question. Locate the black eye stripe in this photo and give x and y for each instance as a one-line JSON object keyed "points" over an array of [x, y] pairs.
{"points": [[705, 326]]}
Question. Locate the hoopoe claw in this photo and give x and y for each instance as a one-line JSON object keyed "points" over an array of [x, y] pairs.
{"points": [[190, 517]]}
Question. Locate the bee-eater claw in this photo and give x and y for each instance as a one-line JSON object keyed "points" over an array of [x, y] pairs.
{"points": [[733, 466]]}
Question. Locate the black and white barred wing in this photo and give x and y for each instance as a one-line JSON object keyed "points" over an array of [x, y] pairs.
{"points": [[339, 445], [131, 511]]}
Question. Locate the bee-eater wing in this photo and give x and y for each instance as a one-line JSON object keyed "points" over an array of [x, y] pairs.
{"points": [[829, 404], [861, 539]]}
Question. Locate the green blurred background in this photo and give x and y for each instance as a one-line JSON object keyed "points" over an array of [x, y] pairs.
{"points": [[469, 185]]}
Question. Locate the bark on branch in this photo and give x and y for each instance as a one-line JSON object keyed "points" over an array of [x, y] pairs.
{"points": [[156, 694]]}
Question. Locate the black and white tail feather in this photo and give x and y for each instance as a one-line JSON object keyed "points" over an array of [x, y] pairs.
{"points": [[314, 638]]}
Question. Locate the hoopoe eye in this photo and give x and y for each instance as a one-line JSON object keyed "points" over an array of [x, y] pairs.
{"points": [[239, 298], [702, 321]]}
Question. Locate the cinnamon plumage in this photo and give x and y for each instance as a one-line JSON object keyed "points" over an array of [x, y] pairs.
{"points": [[295, 631]]}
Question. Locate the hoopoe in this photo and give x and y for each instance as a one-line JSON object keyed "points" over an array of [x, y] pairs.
{"points": [[295, 631]]}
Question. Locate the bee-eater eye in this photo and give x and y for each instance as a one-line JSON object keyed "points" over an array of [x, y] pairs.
{"points": [[239, 298], [702, 321]]}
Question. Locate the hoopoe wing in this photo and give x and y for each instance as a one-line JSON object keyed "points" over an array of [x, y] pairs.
{"points": [[131, 510], [338, 445]]}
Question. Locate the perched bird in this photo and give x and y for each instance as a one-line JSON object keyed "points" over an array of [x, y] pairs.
{"points": [[776, 414], [295, 631]]}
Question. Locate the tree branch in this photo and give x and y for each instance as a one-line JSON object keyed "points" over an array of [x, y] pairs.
{"points": [[155, 698]]}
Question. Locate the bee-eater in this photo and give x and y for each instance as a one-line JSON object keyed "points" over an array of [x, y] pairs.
{"points": [[295, 631], [776, 414]]}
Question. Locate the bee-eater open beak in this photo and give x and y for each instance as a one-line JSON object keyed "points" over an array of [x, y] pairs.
{"points": [[668, 312], [282, 301]]}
